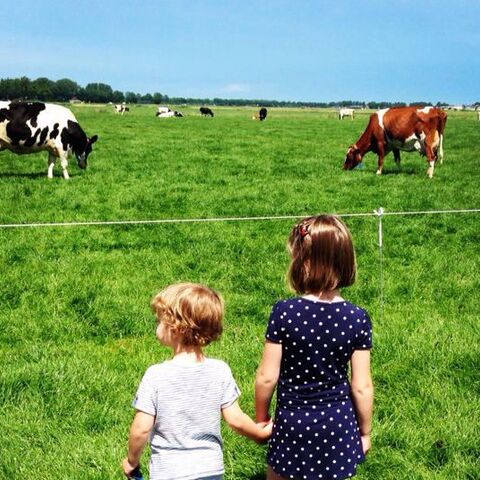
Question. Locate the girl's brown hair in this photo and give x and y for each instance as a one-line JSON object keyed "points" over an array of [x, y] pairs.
{"points": [[191, 311], [323, 257]]}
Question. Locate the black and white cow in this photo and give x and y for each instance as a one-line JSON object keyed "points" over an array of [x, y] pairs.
{"points": [[28, 127], [120, 108], [165, 112]]}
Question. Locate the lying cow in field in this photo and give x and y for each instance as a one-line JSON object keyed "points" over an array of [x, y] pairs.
{"points": [[165, 112], [28, 127], [121, 109], [207, 112], [405, 128], [346, 112]]}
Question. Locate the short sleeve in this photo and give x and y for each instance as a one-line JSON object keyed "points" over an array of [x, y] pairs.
{"points": [[145, 398], [274, 329], [363, 336], [231, 392]]}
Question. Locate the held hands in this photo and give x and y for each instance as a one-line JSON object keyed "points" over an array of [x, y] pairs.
{"points": [[127, 467], [265, 431], [366, 443]]}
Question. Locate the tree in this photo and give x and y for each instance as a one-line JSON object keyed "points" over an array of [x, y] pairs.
{"points": [[98, 92], [43, 89], [118, 97], [147, 98], [66, 89], [130, 97], [157, 97]]}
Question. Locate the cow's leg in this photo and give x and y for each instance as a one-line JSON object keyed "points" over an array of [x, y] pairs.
{"points": [[432, 143], [396, 156], [381, 157], [51, 163], [64, 164], [440, 149], [430, 154]]}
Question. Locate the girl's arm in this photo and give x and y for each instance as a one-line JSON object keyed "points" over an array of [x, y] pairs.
{"points": [[362, 393], [267, 378], [244, 425], [139, 432]]}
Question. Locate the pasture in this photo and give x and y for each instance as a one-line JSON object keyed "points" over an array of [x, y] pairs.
{"points": [[77, 333]]}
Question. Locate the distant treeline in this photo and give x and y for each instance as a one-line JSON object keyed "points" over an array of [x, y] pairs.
{"points": [[65, 90]]}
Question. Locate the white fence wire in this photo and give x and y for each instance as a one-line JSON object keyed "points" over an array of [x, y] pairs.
{"points": [[379, 213]]}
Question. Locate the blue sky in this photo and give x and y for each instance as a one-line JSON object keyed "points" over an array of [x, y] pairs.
{"points": [[303, 50]]}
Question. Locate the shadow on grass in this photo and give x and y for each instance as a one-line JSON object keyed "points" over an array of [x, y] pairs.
{"points": [[31, 175], [401, 171], [22, 175], [258, 476]]}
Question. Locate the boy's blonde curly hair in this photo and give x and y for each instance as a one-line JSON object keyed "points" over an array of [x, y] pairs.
{"points": [[191, 311]]}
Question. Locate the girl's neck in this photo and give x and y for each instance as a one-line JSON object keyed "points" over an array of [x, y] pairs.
{"points": [[187, 354], [330, 296]]}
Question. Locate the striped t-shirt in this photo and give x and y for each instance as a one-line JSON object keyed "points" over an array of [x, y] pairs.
{"points": [[186, 400]]}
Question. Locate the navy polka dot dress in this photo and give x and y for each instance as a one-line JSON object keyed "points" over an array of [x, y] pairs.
{"points": [[315, 433]]}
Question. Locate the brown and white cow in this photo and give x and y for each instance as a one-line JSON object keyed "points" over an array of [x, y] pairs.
{"points": [[405, 128]]}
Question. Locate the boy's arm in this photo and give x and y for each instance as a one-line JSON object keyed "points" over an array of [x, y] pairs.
{"points": [[267, 378], [362, 393], [139, 432], [244, 425]]}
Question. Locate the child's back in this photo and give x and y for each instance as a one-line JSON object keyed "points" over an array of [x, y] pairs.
{"points": [[180, 402], [314, 408], [322, 422], [186, 400]]}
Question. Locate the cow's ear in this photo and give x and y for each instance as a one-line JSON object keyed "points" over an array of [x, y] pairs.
{"points": [[93, 139]]}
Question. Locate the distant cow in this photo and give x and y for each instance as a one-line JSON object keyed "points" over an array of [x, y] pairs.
{"points": [[346, 112], [165, 112], [205, 111], [28, 127], [478, 115], [405, 128], [121, 109], [262, 114]]}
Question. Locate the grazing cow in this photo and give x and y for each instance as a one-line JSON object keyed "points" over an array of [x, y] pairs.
{"points": [[28, 127], [405, 128], [262, 114], [165, 112], [205, 111], [120, 108], [346, 112]]}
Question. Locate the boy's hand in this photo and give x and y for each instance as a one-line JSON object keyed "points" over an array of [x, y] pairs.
{"points": [[127, 467], [366, 443], [266, 431]]}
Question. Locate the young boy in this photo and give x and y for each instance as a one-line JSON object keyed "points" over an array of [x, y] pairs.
{"points": [[179, 402]]}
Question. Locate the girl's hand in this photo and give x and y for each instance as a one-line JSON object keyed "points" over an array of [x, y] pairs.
{"points": [[127, 467], [266, 431], [366, 443]]}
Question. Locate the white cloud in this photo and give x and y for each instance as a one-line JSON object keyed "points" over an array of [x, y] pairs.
{"points": [[236, 88]]}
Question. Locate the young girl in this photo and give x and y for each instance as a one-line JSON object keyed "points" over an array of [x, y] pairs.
{"points": [[179, 402], [322, 423]]}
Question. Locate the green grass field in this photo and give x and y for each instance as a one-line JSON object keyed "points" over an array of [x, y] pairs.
{"points": [[76, 330]]}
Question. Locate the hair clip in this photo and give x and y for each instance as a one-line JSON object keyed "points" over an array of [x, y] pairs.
{"points": [[302, 230]]}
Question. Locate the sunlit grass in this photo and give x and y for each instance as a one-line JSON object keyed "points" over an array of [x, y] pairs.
{"points": [[77, 332]]}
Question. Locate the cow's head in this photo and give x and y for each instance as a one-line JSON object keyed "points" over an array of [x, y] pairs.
{"points": [[82, 157], [353, 158]]}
